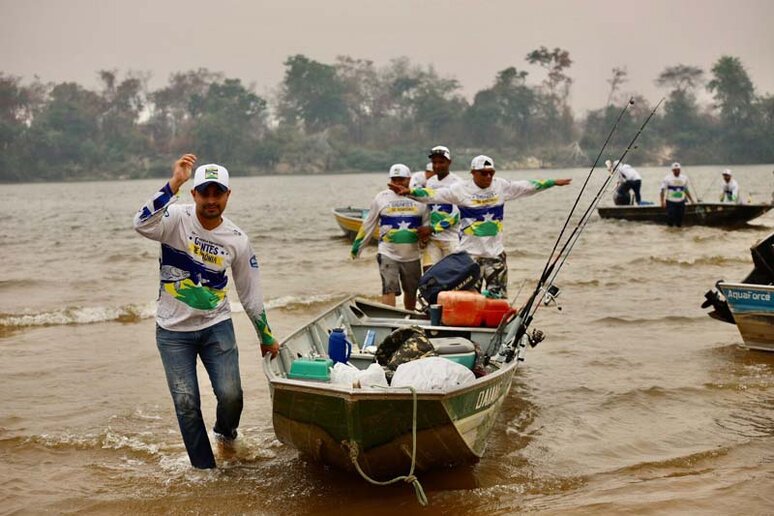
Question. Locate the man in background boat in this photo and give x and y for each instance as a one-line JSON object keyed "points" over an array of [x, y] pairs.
{"points": [[402, 224], [675, 189], [419, 179], [730, 193], [444, 218], [198, 245], [629, 180], [481, 202]]}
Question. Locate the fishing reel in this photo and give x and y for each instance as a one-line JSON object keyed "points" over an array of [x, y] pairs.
{"points": [[551, 293]]}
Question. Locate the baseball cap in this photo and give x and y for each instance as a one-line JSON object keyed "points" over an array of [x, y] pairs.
{"points": [[440, 150], [727, 172], [482, 163], [211, 173], [400, 170], [675, 165], [429, 166]]}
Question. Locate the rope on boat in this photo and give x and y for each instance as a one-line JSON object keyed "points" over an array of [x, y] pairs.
{"points": [[410, 478]]}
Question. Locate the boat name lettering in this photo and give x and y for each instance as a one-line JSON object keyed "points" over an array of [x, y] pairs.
{"points": [[749, 294], [488, 396]]}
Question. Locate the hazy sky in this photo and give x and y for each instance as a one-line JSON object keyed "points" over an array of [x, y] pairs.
{"points": [[470, 40]]}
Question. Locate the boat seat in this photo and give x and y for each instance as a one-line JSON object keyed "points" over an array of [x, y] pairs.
{"points": [[452, 345]]}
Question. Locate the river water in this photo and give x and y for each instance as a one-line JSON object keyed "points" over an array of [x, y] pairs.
{"points": [[636, 402]]}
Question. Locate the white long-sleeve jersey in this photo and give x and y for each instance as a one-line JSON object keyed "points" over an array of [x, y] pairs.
{"points": [[481, 210], [398, 219], [193, 265]]}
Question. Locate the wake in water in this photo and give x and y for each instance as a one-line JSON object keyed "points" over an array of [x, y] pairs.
{"points": [[133, 313]]}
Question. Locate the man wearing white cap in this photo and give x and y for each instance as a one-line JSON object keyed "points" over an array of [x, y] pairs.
{"points": [[198, 245], [675, 189], [481, 202], [402, 224], [730, 193], [444, 217], [419, 179]]}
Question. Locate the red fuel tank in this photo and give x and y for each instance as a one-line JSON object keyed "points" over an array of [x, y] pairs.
{"points": [[466, 308]]}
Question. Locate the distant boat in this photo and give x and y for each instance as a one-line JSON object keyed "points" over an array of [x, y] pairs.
{"points": [[749, 304], [350, 219], [339, 424], [701, 214]]}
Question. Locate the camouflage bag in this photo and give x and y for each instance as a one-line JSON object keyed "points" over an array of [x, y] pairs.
{"points": [[403, 345]]}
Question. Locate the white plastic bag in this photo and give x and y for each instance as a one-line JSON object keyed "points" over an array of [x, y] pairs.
{"points": [[351, 376], [432, 373], [374, 375], [344, 374]]}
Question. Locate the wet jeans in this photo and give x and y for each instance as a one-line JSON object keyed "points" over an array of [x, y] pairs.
{"points": [[217, 348], [675, 212]]}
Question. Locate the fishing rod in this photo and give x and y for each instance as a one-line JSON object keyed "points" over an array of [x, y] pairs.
{"points": [[583, 187], [573, 238], [527, 312]]}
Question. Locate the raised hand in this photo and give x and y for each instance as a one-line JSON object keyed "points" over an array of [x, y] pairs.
{"points": [[181, 171], [562, 182]]}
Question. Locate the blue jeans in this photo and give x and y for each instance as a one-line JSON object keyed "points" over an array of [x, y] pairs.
{"points": [[217, 348]]}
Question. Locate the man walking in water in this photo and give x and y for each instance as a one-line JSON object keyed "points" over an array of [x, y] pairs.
{"points": [[482, 208], [401, 224], [198, 245]]}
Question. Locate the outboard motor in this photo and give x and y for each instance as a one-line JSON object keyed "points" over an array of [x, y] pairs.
{"points": [[720, 311]]}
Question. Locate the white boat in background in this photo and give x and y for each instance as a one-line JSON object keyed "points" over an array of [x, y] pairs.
{"points": [[749, 304]]}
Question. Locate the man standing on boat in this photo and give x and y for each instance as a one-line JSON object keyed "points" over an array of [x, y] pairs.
{"points": [[730, 193], [444, 218], [402, 224], [629, 180], [481, 202], [675, 189], [419, 179], [198, 245]]}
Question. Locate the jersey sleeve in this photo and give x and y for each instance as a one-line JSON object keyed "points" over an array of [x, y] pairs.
{"points": [[153, 219], [516, 189], [366, 229], [431, 195], [247, 278]]}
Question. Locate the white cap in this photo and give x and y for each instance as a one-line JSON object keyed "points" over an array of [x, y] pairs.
{"points": [[482, 163], [726, 172], [211, 173], [440, 150], [400, 170], [429, 166], [675, 165]]}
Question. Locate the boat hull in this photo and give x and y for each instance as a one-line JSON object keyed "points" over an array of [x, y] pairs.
{"points": [[753, 309], [326, 421], [701, 214], [451, 429]]}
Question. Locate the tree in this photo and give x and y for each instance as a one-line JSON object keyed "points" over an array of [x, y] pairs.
{"points": [[312, 94], [735, 98], [733, 89], [553, 117], [228, 120], [680, 77], [682, 127], [615, 82], [169, 124]]}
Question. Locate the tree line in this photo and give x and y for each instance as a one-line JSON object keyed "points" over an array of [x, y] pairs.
{"points": [[351, 115]]}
